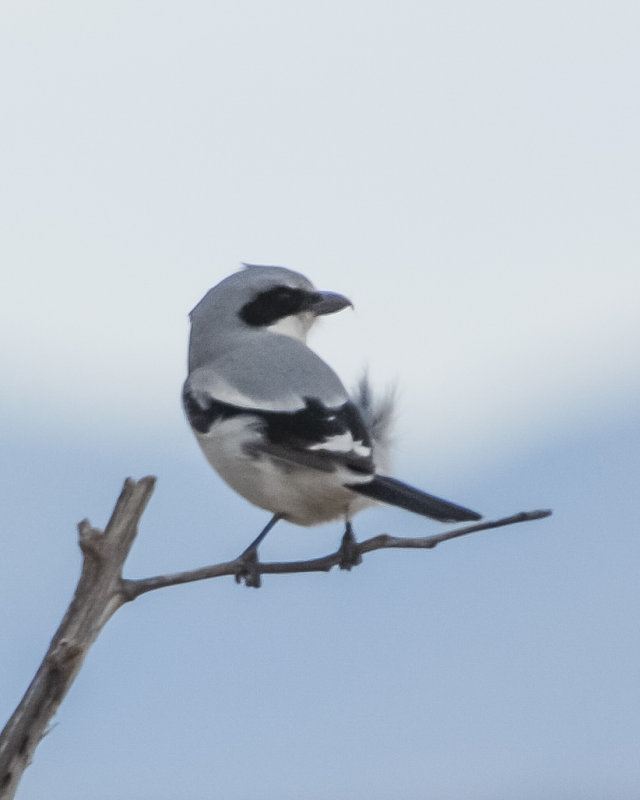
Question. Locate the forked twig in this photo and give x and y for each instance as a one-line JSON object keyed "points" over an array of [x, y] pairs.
{"points": [[102, 590]]}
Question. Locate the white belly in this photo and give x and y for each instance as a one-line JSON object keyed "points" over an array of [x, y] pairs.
{"points": [[300, 495]]}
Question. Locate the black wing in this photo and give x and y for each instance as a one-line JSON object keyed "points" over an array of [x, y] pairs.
{"points": [[316, 436]]}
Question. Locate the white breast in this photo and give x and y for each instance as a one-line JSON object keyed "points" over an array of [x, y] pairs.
{"points": [[301, 495]]}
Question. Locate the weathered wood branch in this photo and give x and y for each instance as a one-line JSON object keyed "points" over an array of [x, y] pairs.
{"points": [[134, 588], [102, 590], [97, 596]]}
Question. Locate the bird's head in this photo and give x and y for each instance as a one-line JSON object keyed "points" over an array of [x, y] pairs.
{"points": [[259, 298]]}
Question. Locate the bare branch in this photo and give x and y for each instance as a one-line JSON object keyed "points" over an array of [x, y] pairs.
{"points": [[102, 590], [96, 598], [134, 588]]}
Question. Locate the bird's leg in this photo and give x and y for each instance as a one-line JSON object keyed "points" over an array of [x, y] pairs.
{"points": [[249, 557], [349, 554]]}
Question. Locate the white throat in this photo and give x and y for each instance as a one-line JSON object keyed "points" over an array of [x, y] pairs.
{"points": [[295, 326]]}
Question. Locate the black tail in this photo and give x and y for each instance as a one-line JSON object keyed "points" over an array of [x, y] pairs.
{"points": [[396, 493]]}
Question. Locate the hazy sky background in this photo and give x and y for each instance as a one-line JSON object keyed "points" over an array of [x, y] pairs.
{"points": [[469, 174]]}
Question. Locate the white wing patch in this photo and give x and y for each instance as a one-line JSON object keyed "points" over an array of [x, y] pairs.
{"points": [[342, 443]]}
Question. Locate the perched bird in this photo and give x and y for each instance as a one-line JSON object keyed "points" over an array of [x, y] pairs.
{"points": [[274, 420]]}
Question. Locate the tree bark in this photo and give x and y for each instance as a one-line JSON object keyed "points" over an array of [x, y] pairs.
{"points": [[97, 596], [102, 590]]}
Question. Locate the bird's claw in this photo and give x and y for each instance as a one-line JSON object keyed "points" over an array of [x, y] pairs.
{"points": [[248, 568], [349, 552]]}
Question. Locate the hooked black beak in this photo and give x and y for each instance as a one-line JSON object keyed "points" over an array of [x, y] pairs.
{"points": [[328, 303]]}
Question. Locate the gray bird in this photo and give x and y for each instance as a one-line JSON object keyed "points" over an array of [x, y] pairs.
{"points": [[274, 420]]}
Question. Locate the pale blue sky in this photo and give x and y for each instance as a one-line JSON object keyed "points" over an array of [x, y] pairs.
{"points": [[468, 173]]}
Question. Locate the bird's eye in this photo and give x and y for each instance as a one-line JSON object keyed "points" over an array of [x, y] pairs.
{"points": [[274, 304]]}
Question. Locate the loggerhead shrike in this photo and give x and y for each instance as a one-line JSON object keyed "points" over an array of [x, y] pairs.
{"points": [[275, 421]]}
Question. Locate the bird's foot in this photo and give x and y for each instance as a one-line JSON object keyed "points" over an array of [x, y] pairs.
{"points": [[349, 552], [248, 568]]}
